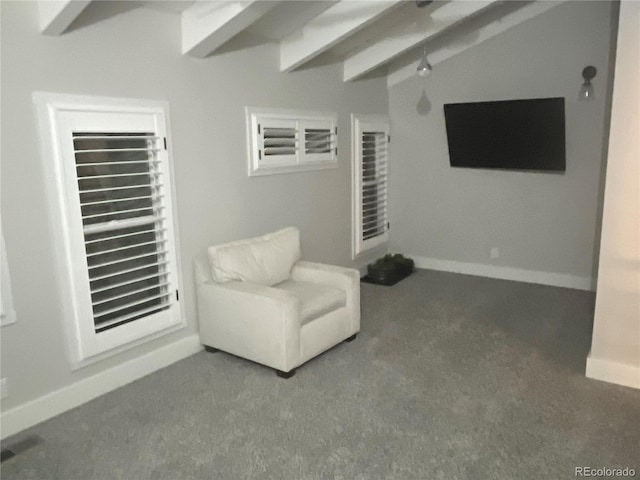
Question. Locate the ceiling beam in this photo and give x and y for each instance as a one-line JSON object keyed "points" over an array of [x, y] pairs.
{"points": [[55, 16], [404, 69], [426, 25], [329, 28], [208, 25]]}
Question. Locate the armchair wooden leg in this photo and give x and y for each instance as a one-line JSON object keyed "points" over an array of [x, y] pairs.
{"points": [[210, 349], [288, 374], [351, 338]]}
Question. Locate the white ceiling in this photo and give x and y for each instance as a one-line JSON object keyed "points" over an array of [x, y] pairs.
{"points": [[369, 37], [175, 6]]}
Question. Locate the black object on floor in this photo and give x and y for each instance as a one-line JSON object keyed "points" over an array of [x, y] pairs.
{"points": [[386, 280], [351, 338], [6, 454], [389, 270], [211, 349], [15, 448], [288, 374]]}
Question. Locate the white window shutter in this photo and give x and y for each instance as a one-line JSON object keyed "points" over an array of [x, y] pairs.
{"points": [[320, 140], [115, 193], [370, 182], [277, 141], [121, 190], [281, 141], [7, 311]]}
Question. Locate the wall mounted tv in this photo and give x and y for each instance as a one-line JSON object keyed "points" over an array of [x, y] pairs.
{"points": [[510, 134]]}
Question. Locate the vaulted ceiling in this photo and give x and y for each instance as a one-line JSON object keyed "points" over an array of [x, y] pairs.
{"points": [[369, 38]]}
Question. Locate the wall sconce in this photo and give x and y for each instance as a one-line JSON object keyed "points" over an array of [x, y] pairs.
{"points": [[586, 89], [424, 67]]}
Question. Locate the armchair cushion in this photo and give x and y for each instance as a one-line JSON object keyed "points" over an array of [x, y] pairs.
{"points": [[315, 300], [265, 260]]}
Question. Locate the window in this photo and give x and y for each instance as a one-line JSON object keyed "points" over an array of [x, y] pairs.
{"points": [[370, 178], [113, 192], [7, 312], [281, 141]]}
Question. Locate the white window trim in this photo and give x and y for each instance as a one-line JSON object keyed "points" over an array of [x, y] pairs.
{"points": [[7, 311], [48, 108], [358, 124], [298, 119]]}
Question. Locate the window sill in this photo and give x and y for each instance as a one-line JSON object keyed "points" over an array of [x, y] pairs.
{"points": [[80, 364], [301, 167]]}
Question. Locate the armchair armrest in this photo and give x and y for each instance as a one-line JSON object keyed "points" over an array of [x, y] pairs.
{"points": [[250, 320], [346, 279], [332, 275]]}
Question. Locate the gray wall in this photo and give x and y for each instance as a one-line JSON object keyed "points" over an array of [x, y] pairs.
{"points": [[137, 54], [539, 221]]}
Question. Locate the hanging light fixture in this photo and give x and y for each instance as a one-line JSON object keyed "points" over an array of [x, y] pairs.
{"points": [[424, 67], [586, 89]]}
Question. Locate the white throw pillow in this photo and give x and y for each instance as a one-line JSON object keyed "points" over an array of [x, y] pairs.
{"points": [[266, 260]]}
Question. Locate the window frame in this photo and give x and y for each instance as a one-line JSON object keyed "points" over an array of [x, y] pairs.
{"points": [[7, 310], [57, 114], [300, 120], [360, 123]]}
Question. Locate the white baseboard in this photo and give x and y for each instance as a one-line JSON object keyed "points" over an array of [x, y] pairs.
{"points": [[506, 273], [613, 372], [71, 396], [363, 270]]}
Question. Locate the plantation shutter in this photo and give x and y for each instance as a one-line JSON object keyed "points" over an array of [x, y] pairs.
{"points": [[372, 157], [320, 140], [285, 141], [277, 141], [374, 184], [116, 197], [7, 312], [317, 140], [120, 192]]}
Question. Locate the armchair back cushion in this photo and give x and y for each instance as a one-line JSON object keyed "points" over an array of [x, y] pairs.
{"points": [[266, 260]]}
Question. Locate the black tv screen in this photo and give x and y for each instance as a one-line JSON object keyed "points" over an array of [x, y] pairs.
{"points": [[510, 134]]}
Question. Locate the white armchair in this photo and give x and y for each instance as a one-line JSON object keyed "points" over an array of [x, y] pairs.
{"points": [[257, 300]]}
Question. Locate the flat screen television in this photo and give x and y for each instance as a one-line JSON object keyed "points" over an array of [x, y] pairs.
{"points": [[510, 134]]}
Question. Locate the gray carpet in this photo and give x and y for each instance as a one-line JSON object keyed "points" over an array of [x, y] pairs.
{"points": [[451, 377]]}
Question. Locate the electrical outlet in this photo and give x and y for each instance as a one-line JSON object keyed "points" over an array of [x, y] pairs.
{"points": [[495, 252], [3, 388]]}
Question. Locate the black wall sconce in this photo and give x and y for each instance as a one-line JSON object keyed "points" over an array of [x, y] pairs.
{"points": [[586, 89]]}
